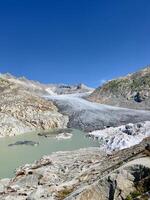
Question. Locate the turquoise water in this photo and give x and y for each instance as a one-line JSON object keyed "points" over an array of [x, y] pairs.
{"points": [[15, 156]]}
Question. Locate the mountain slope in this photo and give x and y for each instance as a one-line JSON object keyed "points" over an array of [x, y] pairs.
{"points": [[23, 111], [132, 91]]}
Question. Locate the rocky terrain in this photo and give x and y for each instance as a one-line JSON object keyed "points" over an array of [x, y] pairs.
{"points": [[23, 111], [85, 174], [131, 91]]}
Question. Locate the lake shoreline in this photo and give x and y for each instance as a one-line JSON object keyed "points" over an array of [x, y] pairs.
{"points": [[26, 152]]}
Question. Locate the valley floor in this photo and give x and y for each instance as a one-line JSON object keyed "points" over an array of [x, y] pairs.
{"points": [[91, 173]]}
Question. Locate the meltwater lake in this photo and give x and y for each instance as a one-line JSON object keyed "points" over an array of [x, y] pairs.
{"points": [[11, 157]]}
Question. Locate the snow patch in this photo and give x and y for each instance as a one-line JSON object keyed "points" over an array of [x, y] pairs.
{"points": [[50, 91]]}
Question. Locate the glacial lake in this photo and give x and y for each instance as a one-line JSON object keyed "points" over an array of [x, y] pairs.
{"points": [[11, 157]]}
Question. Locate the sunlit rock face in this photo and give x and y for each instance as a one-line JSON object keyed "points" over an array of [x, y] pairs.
{"points": [[130, 181], [131, 91], [23, 111]]}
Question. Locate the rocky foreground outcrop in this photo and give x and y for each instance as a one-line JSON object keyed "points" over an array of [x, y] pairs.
{"points": [[131, 91], [85, 174], [23, 111]]}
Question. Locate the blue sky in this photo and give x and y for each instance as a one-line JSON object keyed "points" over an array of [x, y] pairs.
{"points": [[72, 41]]}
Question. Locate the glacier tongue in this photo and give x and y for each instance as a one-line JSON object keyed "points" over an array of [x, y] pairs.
{"points": [[89, 116]]}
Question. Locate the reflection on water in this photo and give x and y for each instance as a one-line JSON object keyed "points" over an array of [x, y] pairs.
{"points": [[14, 156]]}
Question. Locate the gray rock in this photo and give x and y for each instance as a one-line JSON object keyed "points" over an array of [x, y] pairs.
{"points": [[21, 110], [30, 143]]}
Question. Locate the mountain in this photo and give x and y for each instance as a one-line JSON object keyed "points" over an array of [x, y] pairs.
{"points": [[104, 173], [131, 91], [23, 107], [27, 105], [21, 110], [46, 89]]}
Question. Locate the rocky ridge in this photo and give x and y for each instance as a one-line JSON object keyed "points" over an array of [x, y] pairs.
{"points": [[131, 91], [45, 89], [23, 111]]}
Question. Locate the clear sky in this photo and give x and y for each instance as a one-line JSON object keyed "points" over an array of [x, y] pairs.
{"points": [[72, 41]]}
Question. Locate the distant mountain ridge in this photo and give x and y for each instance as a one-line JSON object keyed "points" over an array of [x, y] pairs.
{"points": [[131, 91], [40, 88]]}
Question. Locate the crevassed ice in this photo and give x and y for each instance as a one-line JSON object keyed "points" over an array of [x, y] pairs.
{"points": [[123, 136]]}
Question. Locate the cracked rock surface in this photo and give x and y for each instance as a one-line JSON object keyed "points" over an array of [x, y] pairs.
{"points": [[22, 111]]}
